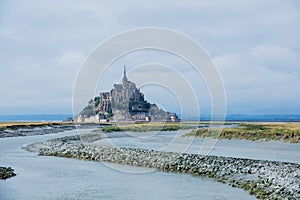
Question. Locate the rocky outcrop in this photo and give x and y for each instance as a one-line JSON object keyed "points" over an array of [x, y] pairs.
{"points": [[264, 179], [6, 172]]}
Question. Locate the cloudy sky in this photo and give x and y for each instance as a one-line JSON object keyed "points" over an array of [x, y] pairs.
{"points": [[254, 44]]}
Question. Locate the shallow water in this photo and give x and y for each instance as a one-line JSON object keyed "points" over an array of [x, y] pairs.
{"points": [[60, 178], [172, 141]]}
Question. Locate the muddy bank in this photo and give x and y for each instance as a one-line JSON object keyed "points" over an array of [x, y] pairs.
{"points": [[28, 129]]}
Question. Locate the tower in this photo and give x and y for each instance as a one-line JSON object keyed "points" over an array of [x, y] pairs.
{"points": [[125, 77]]}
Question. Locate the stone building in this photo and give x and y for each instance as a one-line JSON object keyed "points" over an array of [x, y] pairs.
{"points": [[125, 102]]}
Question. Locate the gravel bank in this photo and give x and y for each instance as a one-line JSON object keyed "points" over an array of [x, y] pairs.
{"points": [[264, 179]]}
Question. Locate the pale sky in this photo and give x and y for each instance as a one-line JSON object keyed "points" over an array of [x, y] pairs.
{"points": [[254, 44]]}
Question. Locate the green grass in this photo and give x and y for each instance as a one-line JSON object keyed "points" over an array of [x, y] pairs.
{"points": [[4, 125], [287, 132], [143, 127]]}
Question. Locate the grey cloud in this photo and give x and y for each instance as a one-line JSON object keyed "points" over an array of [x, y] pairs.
{"points": [[258, 78], [254, 43]]}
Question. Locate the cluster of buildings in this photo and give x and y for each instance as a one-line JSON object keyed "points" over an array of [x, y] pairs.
{"points": [[124, 102]]}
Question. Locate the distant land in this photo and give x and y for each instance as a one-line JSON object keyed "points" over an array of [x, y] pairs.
{"points": [[35, 117], [204, 117]]}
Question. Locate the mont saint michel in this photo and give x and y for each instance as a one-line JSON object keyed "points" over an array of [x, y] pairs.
{"points": [[124, 102]]}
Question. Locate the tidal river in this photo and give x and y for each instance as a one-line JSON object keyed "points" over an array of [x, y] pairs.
{"points": [[46, 178]]}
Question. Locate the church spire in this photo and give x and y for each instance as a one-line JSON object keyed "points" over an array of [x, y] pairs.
{"points": [[125, 77]]}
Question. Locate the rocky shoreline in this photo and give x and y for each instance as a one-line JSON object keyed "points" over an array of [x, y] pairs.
{"points": [[6, 172], [264, 179]]}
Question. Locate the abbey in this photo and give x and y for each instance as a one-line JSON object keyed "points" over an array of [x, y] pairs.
{"points": [[124, 102]]}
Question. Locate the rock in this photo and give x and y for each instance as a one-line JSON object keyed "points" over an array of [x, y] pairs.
{"points": [[6, 172]]}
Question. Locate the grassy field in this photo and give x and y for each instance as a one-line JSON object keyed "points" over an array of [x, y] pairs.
{"points": [[143, 127], [29, 124], [287, 132]]}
